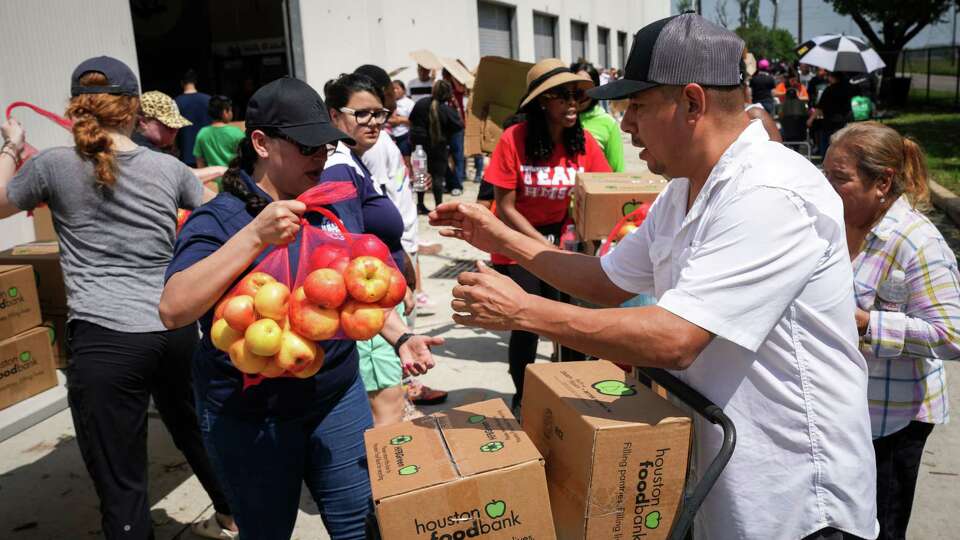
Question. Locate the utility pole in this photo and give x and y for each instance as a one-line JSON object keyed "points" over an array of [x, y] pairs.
{"points": [[800, 21]]}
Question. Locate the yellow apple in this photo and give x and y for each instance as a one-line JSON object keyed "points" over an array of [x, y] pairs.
{"points": [[273, 370], [271, 300], [310, 320], [239, 313], [313, 368], [296, 352], [244, 360], [222, 335], [263, 337]]}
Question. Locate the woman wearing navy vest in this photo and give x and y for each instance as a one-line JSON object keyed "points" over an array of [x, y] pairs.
{"points": [[267, 439]]}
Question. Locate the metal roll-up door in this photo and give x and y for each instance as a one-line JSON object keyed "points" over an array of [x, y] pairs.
{"points": [[496, 37], [578, 40], [544, 37]]}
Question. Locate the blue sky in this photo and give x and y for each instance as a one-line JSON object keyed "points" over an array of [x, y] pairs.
{"points": [[819, 18]]}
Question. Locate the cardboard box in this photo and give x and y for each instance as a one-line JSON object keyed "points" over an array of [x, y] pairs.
{"points": [[601, 199], [43, 225], [463, 473], [19, 305], [45, 259], [26, 366], [56, 324], [616, 452], [498, 88]]}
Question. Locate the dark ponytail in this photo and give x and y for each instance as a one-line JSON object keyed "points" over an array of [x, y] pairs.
{"points": [[232, 180]]}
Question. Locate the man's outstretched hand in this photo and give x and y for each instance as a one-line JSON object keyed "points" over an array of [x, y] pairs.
{"points": [[472, 223], [488, 299]]}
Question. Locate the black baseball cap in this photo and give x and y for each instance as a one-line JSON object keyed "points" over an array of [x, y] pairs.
{"points": [[293, 108], [678, 50], [120, 78]]}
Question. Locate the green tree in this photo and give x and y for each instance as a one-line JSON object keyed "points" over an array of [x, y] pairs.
{"points": [[899, 22], [684, 5], [764, 42], [749, 12]]}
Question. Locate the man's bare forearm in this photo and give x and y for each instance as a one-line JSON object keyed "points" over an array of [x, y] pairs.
{"points": [[576, 274]]}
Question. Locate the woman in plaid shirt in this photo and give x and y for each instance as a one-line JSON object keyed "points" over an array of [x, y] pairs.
{"points": [[882, 178]]}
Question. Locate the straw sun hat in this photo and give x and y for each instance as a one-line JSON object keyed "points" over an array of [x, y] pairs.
{"points": [[550, 73]]}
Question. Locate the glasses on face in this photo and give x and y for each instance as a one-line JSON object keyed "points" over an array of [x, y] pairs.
{"points": [[577, 95], [305, 150], [364, 116]]}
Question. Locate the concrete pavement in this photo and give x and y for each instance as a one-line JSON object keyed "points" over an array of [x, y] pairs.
{"points": [[46, 493]]}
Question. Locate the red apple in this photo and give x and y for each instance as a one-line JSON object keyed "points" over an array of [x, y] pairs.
{"points": [[361, 321], [367, 244], [271, 300], [367, 278], [329, 256], [250, 284], [310, 320], [296, 353], [239, 312], [245, 360], [311, 369], [396, 290], [223, 336], [325, 288], [263, 337], [218, 311], [626, 229]]}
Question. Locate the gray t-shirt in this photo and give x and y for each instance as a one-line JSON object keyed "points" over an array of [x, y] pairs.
{"points": [[115, 243]]}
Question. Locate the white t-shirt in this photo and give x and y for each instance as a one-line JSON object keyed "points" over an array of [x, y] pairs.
{"points": [[390, 178], [404, 106], [418, 89], [760, 260]]}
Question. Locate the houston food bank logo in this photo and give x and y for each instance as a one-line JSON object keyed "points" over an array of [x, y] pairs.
{"points": [[476, 522], [16, 364], [10, 298]]}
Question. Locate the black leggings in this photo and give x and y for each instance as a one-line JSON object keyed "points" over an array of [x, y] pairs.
{"points": [[523, 345], [438, 174], [898, 463], [110, 378]]}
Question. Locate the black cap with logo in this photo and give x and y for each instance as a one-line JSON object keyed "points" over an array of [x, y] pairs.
{"points": [[293, 108], [120, 78], [678, 50]]}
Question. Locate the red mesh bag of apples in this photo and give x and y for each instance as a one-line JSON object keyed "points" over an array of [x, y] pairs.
{"points": [[270, 323]]}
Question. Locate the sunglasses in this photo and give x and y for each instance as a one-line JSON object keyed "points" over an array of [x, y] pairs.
{"points": [[305, 150], [364, 116], [577, 95]]}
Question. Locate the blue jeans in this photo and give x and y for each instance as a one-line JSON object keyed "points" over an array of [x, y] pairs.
{"points": [[455, 177], [478, 165], [262, 462]]}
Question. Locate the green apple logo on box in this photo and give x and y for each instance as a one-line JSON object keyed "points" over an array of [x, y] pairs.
{"points": [[25, 356], [495, 509], [408, 470], [400, 439], [12, 292], [613, 388], [476, 419], [492, 446], [652, 521]]}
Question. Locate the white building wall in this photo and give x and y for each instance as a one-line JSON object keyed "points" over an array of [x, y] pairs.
{"points": [[44, 40], [339, 36]]}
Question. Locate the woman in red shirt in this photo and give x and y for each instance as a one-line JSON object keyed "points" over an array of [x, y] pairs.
{"points": [[533, 170]]}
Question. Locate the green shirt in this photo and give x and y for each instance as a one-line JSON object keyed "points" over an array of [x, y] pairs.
{"points": [[607, 133], [217, 145]]}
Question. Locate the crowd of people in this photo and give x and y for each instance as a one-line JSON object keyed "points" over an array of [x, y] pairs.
{"points": [[810, 104], [765, 270]]}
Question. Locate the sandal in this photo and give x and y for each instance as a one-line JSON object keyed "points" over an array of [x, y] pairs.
{"points": [[211, 528]]}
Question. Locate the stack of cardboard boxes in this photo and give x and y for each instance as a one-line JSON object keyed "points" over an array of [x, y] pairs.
{"points": [[598, 457], [27, 364]]}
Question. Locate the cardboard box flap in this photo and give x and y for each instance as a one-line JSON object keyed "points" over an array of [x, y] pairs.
{"points": [[498, 87], [642, 182], [602, 395], [406, 457], [485, 436]]}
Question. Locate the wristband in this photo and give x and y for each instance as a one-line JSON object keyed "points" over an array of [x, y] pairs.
{"points": [[400, 341]]}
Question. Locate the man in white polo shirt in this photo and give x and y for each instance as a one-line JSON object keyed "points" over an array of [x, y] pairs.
{"points": [[746, 252]]}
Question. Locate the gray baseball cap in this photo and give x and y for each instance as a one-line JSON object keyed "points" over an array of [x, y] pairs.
{"points": [[678, 50]]}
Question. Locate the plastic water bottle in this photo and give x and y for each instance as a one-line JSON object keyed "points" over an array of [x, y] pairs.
{"points": [[893, 294], [568, 240], [418, 162]]}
